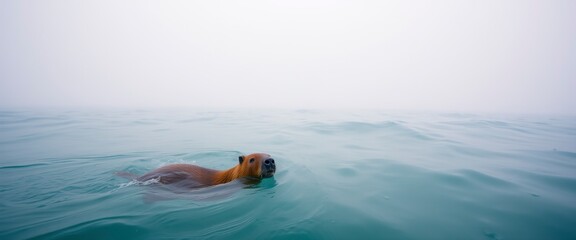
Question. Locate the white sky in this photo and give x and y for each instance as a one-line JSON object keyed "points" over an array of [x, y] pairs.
{"points": [[489, 55]]}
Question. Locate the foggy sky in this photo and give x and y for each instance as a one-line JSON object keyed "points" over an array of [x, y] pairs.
{"points": [[495, 55]]}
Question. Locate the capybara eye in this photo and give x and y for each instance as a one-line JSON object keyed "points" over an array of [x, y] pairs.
{"points": [[251, 160]]}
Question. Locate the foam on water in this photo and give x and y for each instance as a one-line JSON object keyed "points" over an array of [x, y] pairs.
{"points": [[136, 182], [341, 175]]}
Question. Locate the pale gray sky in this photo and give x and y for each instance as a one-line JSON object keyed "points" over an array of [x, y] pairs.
{"points": [[494, 55]]}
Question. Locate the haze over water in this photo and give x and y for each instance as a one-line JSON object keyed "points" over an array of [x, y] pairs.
{"points": [[491, 56]]}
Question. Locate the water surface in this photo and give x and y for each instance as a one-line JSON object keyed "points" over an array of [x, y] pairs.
{"points": [[341, 175]]}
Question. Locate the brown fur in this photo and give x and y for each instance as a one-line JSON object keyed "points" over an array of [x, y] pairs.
{"points": [[195, 176]]}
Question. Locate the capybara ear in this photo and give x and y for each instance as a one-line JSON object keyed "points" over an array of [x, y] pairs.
{"points": [[241, 159]]}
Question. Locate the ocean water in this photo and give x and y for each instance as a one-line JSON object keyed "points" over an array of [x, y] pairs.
{"points": [[341, 175]]}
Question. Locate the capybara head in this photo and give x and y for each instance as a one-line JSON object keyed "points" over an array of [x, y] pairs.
{"points": [[258, 165]]}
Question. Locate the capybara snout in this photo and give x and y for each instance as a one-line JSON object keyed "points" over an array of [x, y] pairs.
{"points": [[268, 168]]}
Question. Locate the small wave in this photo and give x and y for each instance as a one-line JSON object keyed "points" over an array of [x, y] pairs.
{"points": [[121, 227], [199, 119], [24, 166], [398, 129], [468, 178], [137, 183]]}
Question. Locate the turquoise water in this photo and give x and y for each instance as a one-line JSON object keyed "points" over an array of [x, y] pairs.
{"points": [[341, 175]]}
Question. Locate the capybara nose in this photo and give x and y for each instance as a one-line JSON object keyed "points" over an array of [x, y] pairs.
{"points": [[268, 168], [270, 163]]}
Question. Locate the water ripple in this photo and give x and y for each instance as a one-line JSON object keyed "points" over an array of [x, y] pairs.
{"points": [[341, 175]]}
